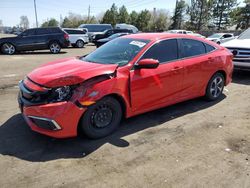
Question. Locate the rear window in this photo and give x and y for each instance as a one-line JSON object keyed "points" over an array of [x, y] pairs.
{"points": [[192, 47], [43, 31], [209, 48], [96, 28], [74, 32]]}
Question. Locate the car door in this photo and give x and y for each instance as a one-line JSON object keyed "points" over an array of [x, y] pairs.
{"points": [[41, 39], [226, 37], [154, 88], [196, 64], [26, 40]]}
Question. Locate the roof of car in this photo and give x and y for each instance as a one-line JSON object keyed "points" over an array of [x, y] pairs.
{"points": [[158, 36]]}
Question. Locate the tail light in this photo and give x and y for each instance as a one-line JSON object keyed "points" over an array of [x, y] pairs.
{"points": [[66, 36]]}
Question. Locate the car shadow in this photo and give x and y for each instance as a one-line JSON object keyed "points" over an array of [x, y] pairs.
{"points": [[39, 53], [241, 77], [16, 138]]}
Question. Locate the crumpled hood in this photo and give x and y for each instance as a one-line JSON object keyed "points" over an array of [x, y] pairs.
{"points": [[237, 43], [68, 71]]}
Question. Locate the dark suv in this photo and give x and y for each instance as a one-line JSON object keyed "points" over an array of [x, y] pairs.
{"points": [[53, 38], [108, 33]]}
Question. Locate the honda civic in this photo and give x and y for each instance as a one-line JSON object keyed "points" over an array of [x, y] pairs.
{"points": [[125, 77]]}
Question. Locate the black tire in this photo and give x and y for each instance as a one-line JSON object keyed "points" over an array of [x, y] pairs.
{"points": [[8, 48], [80, 43], [218, 42], [101, 118], [54, 47], [215, 87]]}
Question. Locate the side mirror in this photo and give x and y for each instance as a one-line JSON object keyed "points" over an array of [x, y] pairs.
{"points": [[147, 64]]}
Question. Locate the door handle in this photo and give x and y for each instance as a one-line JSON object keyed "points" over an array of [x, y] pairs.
{"points": [[176, 68]]}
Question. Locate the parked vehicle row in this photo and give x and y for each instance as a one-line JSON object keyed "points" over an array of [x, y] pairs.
{"points": [[129, 75]]}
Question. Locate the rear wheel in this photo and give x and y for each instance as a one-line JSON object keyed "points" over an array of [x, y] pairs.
{"points": [[54, 47], [8, 48], [80, 44], [102, 118], [215, 87]]}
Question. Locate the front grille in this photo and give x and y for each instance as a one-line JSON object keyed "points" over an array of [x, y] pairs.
{"points": [[241, 54], [32, 97]]}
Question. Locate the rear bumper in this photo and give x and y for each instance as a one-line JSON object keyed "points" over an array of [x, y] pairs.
{"points": [[58, 120]]}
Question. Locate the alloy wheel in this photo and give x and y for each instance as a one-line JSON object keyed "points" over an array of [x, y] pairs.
{"points": [[216, 87], [8, 48], [55, 48]]}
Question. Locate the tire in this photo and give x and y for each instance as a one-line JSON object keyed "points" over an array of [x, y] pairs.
{"points": [[215, 87], [102, 118], [79, 43], [218, 42], [54, 47], [8, 48]]}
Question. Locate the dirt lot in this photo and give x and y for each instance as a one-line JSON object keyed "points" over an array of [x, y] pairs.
{"points": [[192, 144]]}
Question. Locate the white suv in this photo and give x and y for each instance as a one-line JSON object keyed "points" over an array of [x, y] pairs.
{"points": [[77, 37], [240, 47]]}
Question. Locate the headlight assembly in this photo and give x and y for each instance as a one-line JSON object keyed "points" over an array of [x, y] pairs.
{"points": [[63, 93]]}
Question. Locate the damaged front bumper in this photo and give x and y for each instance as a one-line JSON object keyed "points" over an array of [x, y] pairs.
{"points": [[57, 119]]}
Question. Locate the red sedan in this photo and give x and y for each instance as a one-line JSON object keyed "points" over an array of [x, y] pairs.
{"points": [[125, 77]]}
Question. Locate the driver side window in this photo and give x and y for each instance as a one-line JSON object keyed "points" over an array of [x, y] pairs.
{"points": [[163, 51]]}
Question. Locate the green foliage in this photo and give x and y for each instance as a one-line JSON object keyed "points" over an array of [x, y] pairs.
{"points": [[221, 10], [240, 16], [123, 16], [111, 16], [74, 20], [50, 23], [178, 17], [143, 19], [133, 18], [199, 14]]}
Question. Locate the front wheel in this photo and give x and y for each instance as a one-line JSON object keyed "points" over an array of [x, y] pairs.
{"points": [[215, 87], [55, 48], [8, 48], [102, 118]]}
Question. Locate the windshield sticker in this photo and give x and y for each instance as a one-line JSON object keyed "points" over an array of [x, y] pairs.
{"points": [[138, 43]]}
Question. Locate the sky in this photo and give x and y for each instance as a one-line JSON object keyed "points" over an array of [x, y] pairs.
{"points": [[11, 10]]}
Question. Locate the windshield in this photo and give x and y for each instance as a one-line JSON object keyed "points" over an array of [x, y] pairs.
{"points": [[245, 35], [216, 35], [118, 51]]}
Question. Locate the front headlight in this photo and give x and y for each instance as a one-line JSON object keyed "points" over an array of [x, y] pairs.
{"points": [[63, 93]]}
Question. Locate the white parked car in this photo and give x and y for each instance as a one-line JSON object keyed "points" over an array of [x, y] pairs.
{"points": [[220, 38], [179, 31], [77, 37], [240, 47]]}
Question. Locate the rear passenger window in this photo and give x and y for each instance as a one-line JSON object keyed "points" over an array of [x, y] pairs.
{"points": [[163, 51], [209, 48], [192, 48], [42, 31]]}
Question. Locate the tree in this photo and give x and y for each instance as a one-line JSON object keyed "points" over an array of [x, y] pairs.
{"points": [[221, 10], [111, 16], [240, 16], [52, 22], [198, 12], [24, 22], [160, 20], [133, 17], [143, 19], [178, 15], [123, 16]]}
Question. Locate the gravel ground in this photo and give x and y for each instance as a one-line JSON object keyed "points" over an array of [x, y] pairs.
{"points": [[191, 144]]}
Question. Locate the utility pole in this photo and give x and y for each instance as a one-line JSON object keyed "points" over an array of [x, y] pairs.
{"points": [[35, 13], [88, 13]]}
